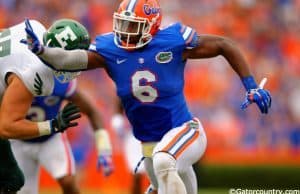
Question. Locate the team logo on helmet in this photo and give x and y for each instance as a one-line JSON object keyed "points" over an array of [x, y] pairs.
{"points": [[151, 10]]}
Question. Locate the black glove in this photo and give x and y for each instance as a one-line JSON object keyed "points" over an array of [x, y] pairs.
{"points": [[63, 119]]}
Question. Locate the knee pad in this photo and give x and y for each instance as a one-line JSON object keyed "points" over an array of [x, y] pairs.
{"points": [[163, 162]]}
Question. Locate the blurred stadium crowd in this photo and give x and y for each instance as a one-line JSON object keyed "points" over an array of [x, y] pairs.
{"points": [[267, 31]]}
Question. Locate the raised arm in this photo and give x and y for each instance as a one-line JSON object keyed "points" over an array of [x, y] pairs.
{"points": [[60, 59], [212, 46]]}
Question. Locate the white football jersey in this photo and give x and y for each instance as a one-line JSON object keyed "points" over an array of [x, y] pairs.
{"points": [[16, 58]]}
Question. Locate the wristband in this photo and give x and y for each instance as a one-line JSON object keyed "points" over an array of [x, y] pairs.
{"points": [[102, 141], [249, 82], [44, 128]]}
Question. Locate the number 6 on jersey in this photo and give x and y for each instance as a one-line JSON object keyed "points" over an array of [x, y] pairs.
{"points": [[141, 86]]}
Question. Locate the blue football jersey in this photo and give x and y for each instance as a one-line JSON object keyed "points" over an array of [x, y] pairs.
{"points": [[150, 80], [46, 107]]}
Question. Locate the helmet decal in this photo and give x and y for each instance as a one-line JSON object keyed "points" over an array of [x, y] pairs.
{"points": [[151, 10], [63, 36]]}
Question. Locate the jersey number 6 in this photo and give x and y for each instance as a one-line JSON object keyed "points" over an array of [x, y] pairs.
{"points": [[141, 86]]}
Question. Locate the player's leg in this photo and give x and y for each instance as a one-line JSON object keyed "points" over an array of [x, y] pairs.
{"points": [[27, 156], [68, 184], [190, 180], [57, 158], [148, 164], [175, 153], [187, 158], [137, 183], [11, 176], [133, 154], [166, 173]]}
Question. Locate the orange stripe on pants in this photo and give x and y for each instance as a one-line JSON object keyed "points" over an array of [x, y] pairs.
{"points": [[175, 139], [187, 144]]}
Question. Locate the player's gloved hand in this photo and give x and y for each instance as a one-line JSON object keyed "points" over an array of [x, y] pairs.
{"points": [[256, 94], [105, 164], [64, 118], [32, 40], [104, 149]]}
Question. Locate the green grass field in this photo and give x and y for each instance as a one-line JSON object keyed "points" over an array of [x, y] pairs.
{"points": [[202, 191]]}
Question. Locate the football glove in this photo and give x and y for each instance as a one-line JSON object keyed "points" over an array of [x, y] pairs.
{"points": [[32, 40], [63, 119], [257, 95], [104, 149]]}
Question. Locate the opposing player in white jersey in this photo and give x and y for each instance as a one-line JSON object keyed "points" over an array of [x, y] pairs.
{"points": [[23, 76], [53, 151]]}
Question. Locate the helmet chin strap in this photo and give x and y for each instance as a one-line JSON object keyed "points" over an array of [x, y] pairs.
{"points": [[126, 45]]}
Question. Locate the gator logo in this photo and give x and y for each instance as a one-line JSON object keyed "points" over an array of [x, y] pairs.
{"points": [[164, 57], [38, 84], [151, 10]]}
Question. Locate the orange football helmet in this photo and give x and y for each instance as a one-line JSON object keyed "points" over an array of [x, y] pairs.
{"points": [[135, 22]]}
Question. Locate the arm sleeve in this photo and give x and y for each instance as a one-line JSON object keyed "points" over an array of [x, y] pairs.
{"points": [[189, 35], [60, 59]]}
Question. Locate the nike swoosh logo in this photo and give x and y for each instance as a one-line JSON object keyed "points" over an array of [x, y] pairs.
{"points": [[121, 61]]}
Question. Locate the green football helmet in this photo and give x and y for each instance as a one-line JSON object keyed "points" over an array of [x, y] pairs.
{"points": [[67, 34]]}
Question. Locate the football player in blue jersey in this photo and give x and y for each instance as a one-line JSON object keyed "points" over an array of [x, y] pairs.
{"points": [[147, 65], [53, 152]]}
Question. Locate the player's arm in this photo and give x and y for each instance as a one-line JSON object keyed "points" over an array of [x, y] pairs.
{"points": [[211, 46], [102, 139], [73, 60], [60, 59], [16, 102]]}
